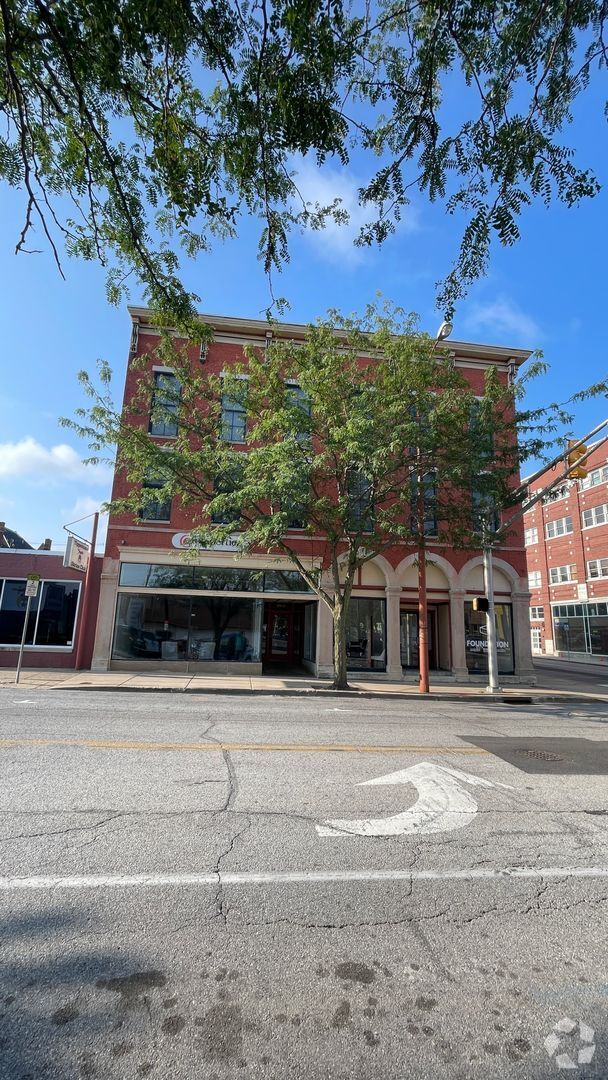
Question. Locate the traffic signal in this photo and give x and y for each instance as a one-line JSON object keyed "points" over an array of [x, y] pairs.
{"points": [[577, 472], [481, 603]]}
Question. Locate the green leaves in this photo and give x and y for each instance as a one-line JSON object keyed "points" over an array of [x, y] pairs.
{"points": [[163, 122]]}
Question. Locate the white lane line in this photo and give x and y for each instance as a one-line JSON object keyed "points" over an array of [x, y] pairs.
{"points": [[288, 877]]}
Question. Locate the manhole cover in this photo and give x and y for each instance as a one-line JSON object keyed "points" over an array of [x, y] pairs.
{"points": [[540, 755]]}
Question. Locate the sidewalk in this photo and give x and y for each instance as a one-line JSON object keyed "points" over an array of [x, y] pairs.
{"points": [[45, 679]]}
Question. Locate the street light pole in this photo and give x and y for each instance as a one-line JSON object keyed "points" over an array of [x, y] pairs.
{"points": [[488, 578]]}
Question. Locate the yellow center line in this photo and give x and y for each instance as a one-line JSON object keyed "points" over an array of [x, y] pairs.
{"points": [[288, 748]]}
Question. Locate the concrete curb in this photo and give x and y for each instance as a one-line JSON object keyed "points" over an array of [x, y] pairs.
{"points": [[520, 698]]}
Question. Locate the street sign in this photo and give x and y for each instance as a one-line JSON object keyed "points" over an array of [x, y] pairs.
{"points": [[76, 554], [31, 585]]}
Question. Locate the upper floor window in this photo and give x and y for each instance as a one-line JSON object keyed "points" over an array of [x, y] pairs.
{"points": [[558, 574], [165, 404], [534, 579], [482, 432], [596, 515], [558, 527], [227, 484], [234, 420], [595, 477], [537, 613], [597, 568], [155, 508], [560, 491], [530, 536], [429, 491], [297, 398], [484, 512], [360, 502]]}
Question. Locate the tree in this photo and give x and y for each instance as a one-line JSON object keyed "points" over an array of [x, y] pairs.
{"points": [[365, 432], [162, 123]]}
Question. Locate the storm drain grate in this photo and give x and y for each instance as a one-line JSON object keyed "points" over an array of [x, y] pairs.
{"points": [[540, 755]]}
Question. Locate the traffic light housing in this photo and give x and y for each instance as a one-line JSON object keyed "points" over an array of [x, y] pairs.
{"points": [[481, 603], [576, 472]]}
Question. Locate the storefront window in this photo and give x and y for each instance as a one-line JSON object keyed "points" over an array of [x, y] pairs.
{"points": [[52, 613], [210, 578], [581, 628], [476, 641], [366, 635], [225, 630], [153, 627]]}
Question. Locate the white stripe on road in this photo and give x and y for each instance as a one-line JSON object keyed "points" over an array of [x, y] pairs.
{"points": [[293, 877]]}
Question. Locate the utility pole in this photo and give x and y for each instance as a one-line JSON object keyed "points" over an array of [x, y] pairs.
{"points": [[86, 604], [488, 580]]}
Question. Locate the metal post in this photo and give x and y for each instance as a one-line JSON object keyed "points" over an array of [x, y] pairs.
{"points": [[488, 577], [86, 604], [23, 637]]}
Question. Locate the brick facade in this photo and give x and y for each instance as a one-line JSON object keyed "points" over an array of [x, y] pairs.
{"points": [[574, 616]]}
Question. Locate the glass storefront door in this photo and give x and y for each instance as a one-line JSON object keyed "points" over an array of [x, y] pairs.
{"points": [[366, 635], [409, 639]]}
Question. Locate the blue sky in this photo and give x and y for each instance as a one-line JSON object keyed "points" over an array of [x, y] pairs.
{"points": [[548, 292]]}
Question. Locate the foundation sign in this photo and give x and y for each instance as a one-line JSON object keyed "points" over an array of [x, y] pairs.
{"points": [[180, 540]]}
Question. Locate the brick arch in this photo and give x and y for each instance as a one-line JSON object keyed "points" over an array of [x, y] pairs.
{"points": [[443, 564], [499, 564]]}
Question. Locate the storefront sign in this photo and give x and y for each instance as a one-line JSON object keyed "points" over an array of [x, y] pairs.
{"points": [[76, 554], [180, 540]]}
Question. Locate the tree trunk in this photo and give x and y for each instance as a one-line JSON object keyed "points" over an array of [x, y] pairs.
{"points": [[340, 674]]}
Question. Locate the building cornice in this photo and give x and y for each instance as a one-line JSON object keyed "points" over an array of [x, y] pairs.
{"points": [[239, 330]]}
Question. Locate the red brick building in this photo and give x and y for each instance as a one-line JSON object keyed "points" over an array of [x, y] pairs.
{"points": [[54, 623], [220, 613], [566, 537]]}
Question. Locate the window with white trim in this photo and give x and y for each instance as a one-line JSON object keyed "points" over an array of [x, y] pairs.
{"points": [[536, 638], [597, 568], [556, 493], [534, 579], [165, 404], [537, 613], [595, 515], [234, 420], [531, 536], [558, 574], [558, 527], [595, 477], [52, 613]]}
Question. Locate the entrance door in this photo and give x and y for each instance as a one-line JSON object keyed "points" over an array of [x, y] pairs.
{"points": [[409, 638], [283, 643]]}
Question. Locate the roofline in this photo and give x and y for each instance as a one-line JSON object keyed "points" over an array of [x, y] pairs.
{"points": [[143, 315]]}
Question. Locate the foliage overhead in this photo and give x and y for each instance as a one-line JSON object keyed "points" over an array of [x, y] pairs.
{"points": [[160, 123]]}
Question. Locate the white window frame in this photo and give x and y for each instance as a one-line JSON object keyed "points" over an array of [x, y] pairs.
{"points": [[593, 511], [532, 531], [536, 640], [602, 569], [537, 608], [595, 477], [559, 524], [556, 574], [533, 574]]}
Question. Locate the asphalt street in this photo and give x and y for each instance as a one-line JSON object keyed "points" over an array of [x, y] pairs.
{"points": [[209, 887]]}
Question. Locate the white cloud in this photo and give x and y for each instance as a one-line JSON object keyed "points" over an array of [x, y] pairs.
{"points": [[335, 241], [29, 458], [84, 506], [503, 319]]}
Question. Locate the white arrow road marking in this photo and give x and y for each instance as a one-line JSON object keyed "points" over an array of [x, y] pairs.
{"points": [[26, 701], [442, 804]]}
